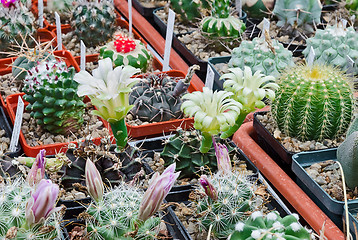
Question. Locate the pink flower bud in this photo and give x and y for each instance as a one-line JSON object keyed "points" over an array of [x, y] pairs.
{"points": [[159, 187], [210, 190], [223, 158], [8, 3], [94, 181], [37, 171], [41, 203]]}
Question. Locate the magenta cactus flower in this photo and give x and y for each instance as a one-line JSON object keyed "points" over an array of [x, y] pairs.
{"points": [[37, 171], [223, 158], [41, 203], [94, 181], [159, 187], [210, 190], [8, 3]]}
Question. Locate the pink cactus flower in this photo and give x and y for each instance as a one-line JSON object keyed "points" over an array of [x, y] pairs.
{"points": [[37, 171], [209, 189], [8, 3], [94, 181], [223, 158]]}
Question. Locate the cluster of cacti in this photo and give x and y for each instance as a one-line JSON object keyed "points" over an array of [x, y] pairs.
{"points": [[93, 22], [313, 103], [270, 226], [188, 10], [298, 13], [17, 25], [52, 96], [270, 58], [127, 51], [332, 46], [221, 23]]}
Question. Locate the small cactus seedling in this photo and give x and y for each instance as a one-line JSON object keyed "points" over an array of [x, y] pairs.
{"points": [[270, 226], [313, 103]]}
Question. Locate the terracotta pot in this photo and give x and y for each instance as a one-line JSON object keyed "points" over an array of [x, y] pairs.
{"points": [[244, 139]]}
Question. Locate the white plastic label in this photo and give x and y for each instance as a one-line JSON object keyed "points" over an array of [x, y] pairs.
{"points": [[17, 125], [310, 57], [130, 18], [238, 4], [58, 31], [168, 40], [265, 27], [209, 81], [83, 56], [40, 7], [350, 65]]}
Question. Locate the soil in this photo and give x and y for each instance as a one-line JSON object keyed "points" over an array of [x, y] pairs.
{"points": [[8, 85], [4, 142], [50, 17], [152, 3]]}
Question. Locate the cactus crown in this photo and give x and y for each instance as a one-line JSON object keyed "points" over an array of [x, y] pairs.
{"points": [[313, 103], [124, 44]]}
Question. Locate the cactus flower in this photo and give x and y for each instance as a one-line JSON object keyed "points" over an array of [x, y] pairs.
{"points": [[159, 187], [8, 3], [209, 189], [94, 181], [223, 158], [41, 203], [37, 171]]}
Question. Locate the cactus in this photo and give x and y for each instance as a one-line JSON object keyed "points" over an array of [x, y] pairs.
{"points": [[257, 8], [93, 22], [271, 226], [127, 51], [52, 96], [353, 126], [221, 23], [333, 45], [188, 10], [62, 7], [313, 103], [17, 25], [298, 13], [268, 57]]}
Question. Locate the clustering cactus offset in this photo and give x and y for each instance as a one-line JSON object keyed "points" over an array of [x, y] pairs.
{"points": [[298, 13], [127, 51], [52, 96], [188, 10], [93, 21], [313, 103], [333, 45], [267, 56], [271, 226]]}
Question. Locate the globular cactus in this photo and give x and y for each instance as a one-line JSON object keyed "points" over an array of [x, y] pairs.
{"points": [[258, 8], [298, 13], [332, 46], [268, 57], [188, 10], [127, 51], [270, 226], [62, 7], [17, 25], [221, 23], [52, 96], [93, 22], [313, 103]]}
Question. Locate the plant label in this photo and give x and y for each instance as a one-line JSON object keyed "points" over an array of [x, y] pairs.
{"points": [[265, 27], [238, 4], [350, 65], [130, 19], [58, 31], [310, 57], [17, 125], [209, 81], [83, 56], [168, 40], [40, 6]]}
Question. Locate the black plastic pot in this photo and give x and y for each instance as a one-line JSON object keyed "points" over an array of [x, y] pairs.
{"points": [[353, 222], [5, 125], [218, 84], [331, 207], [146, 12]]}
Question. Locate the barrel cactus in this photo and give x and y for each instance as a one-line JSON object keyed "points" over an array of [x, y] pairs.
{"points": [[260, 56], [270, 226], [313, 103], [93, 21], [333, 44], [127, 51], [188, 10], [52, 96]]}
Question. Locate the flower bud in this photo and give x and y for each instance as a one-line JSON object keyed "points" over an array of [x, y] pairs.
{"points": [[210, 190], [223, 158], [37, 171], [94, 181]]}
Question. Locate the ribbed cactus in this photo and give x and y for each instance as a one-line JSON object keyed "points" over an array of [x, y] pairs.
{"points": [[298, 13], [188, 10], [332, 46], [257, 8], [313, 103], [94, 21], [270, 226], [52, 96], [17, 25], [259, 56], [127, 51]]}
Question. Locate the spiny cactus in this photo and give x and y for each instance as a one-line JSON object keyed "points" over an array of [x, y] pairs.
{"points": [[298, 13], [17, 25], [52, 96], [257, 8], [93, 22], [313, 103], [333, 45], [188, 10], [127, 51], [267, 56], [62, 7], [271, 226]]}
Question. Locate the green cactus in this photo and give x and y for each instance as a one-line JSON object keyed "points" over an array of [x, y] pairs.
{"points": [[52, 96], [258, 55], [93, 22], [17, 25], [188, 10], [353, 126], [313, 103], [258, 8], [127, 51], [298, 13], [271, 226], [333, 45], [62, 7]]}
